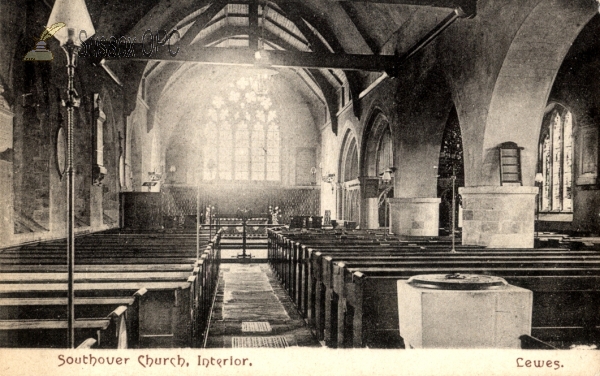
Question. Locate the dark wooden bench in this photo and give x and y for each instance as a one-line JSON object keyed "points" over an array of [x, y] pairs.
{"points": [[108, 332], [56, 308], [293, 268], [166, 300], [320, 276], [364, 300], [175, 278], [300, 270]]}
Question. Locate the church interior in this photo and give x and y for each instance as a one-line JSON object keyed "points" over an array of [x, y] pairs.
{"points": [[385, 174]]}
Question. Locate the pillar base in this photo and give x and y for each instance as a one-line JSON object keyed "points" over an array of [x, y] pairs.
{"points": [[498, 217], [415, 216]]}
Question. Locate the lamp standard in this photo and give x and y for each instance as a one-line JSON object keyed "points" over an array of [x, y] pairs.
{"points": [[78, 28]]}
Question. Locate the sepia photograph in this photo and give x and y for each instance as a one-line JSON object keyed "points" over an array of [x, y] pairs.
{"points": [[246, 187]]}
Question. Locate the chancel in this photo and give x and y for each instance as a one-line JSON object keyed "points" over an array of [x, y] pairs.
{"points": [[271, 173]]}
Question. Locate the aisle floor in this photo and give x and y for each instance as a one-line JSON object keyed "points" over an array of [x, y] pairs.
{"points": [[252, 310]]}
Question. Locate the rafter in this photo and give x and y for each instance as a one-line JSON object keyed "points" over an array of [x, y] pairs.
{"points": [[201, 22], [329, 92], [468, 7], [351, 13]]}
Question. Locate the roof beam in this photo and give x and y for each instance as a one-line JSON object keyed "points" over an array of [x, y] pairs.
{"points": [[244, 56], [468, 7]]}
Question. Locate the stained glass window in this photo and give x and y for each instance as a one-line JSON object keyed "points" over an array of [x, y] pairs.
{"points": [[556, 161], [242, 135]]}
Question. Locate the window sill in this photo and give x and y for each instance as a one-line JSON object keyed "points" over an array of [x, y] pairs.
{"points": [[556, 217]]}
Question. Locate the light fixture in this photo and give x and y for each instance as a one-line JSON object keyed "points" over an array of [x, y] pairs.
{"points": [[154, 176], [329, 178], [78, 28], [263, 76], [172, 169], [388, 174], [78, 22]]}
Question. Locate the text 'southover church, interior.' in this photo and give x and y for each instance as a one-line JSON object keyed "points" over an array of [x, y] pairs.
{"points": [[390, 174]]}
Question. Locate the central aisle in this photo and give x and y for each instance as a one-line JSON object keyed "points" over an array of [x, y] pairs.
{"points": [[252, 310]]}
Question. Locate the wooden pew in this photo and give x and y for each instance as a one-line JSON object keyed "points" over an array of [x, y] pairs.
{"points": [[169, 299], [320, 277], [303, 270], [98, 265], [56, 308], [108, 332], [364, 299], [277, 242]]}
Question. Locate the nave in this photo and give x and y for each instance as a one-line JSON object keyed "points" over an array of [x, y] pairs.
{"points": [[181, 174], [338, 288]]}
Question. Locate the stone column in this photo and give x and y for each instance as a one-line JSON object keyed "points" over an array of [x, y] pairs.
{"points": [[372, 213], [7, 227], [417, 216], [498, 216]]}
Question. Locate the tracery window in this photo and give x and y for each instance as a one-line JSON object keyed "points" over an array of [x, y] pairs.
{"points": [[242, 135], [556, 161]]}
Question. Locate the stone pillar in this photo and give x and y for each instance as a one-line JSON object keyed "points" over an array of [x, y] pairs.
{"points": [[7, 227], [498, 216], [372, 212], [415, 216]]}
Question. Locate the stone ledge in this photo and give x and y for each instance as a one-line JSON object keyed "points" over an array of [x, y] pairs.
{"points": [[499, 190]]}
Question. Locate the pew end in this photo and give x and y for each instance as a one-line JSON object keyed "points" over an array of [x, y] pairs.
{"points": [[531, 343], [87, 344]]}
